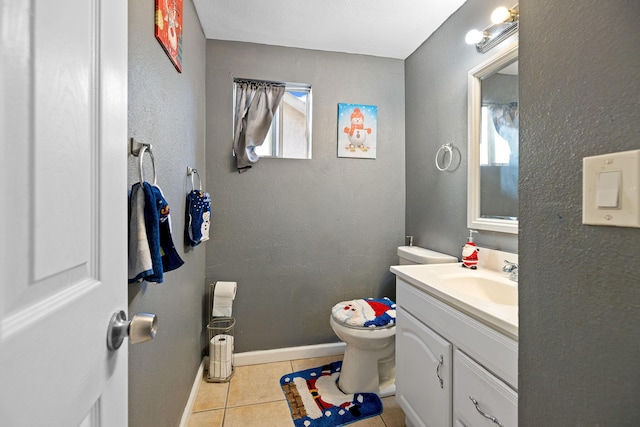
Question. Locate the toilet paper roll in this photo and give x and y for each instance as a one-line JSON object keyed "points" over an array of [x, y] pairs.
{"points": [[223, 296], [221, 356], [220, 370], [221, 348]]}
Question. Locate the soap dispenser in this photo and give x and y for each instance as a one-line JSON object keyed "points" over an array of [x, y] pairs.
{"points": [[470, 252]]}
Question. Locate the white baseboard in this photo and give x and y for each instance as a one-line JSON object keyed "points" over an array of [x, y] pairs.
{"points": [[184, 421], [289, 353]]}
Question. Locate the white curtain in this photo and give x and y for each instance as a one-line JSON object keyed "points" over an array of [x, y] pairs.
{"points": [[256, 103]]}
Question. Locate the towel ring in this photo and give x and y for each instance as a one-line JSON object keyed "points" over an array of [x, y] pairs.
{"points": [[146, 147], [191, 172], [445, 147]]}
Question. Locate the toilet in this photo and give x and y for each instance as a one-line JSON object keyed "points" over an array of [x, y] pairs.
{"points": [[367, 327]]}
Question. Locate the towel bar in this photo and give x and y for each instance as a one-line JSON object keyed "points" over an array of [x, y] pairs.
{"points": [[138, 149], [191, 172]]}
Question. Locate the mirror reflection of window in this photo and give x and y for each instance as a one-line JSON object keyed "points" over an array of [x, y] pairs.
{"points": [[494, 149]]}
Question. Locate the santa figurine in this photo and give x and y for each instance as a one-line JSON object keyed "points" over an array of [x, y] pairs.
{"points": [[470, 253]]}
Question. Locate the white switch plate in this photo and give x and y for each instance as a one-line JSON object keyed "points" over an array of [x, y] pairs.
{"points": [[627, 214]]}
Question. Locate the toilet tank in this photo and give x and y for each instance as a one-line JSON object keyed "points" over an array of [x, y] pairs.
{"points": [[418, 255]]}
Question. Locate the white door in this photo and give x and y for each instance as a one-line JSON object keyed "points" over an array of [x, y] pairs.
{"points": [[63, 139]]}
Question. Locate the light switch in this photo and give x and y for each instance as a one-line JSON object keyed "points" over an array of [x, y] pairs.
{"points": [[608, 191], [611, 189]]}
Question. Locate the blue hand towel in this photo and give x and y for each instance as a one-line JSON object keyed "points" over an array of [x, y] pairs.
{"points": [[152, 208], [151, 248], [163, 251], [197, 218]]}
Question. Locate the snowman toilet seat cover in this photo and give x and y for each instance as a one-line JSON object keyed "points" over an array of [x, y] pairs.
{"points": [[365, 313]]}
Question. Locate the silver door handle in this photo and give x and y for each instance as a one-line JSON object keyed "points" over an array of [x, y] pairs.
{"points": [[142, 327], [440, 362], [490, 417]]}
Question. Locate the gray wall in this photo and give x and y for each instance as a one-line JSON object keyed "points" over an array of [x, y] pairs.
{"points": [[578, 288], [301, 235], [436, 107], [167, 109], [579, 284]]}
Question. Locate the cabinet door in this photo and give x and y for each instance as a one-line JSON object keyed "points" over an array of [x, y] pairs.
{"points": [[494, 403], [423, 373]]}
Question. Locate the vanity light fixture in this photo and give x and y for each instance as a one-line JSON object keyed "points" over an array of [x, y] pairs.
{"points": [[475, 36], [502, 14], [504, 24]]}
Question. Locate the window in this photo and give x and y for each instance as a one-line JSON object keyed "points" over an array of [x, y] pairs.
{"points": [[290, 133]]}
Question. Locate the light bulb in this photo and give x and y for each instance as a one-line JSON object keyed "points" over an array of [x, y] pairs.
{"points": [[500, 15], [474, 37]]}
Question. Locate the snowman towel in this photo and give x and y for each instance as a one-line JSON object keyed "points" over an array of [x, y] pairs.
{"points": [[197, 218]]}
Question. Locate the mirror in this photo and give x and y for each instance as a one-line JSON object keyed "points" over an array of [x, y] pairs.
{"points": [[492, 191]]}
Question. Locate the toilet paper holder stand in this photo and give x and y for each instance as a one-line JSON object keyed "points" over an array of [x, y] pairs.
{"points": [[220, 365]]}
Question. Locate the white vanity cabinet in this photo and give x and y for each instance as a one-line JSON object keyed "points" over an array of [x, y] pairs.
{"points": [[425, 358], [435, 341]]}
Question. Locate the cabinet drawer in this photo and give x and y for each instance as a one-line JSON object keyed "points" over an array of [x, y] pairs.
{"points": [[494, 398]]}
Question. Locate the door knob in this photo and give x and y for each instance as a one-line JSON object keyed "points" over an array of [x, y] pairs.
{"points": [[142, 327]]}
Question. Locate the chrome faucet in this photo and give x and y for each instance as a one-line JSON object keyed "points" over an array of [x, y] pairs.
{"points": [[512, 269]]}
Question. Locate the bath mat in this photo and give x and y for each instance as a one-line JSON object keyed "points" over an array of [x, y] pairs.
{"points": [[316, 401]]}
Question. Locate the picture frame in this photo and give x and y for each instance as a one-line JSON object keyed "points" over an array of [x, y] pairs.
{"points": [[357, 131], [168, 29]]}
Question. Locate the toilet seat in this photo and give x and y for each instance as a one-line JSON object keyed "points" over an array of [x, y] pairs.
{"points": [[365, 313]]}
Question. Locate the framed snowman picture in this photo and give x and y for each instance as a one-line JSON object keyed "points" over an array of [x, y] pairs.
{"points": [[357, 131]]}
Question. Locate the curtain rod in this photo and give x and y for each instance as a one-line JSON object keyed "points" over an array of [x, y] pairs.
{"points": [[269, 82], [286, 84], [512, 103]]}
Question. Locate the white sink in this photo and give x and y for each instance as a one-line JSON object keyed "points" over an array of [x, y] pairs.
{"points": [[498, 290], [484, 294]]}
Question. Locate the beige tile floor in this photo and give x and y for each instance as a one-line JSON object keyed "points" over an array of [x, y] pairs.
{"points": [[253, 397]]}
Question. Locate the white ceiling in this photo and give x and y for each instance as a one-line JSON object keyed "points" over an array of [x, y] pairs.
{"points": [[387, 28]]}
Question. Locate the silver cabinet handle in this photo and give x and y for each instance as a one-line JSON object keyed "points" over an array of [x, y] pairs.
{"points": [[491, 417], [142, 327], [440, 362]]}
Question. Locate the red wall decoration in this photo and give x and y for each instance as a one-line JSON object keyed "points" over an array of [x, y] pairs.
{"points": [[169, 29]]}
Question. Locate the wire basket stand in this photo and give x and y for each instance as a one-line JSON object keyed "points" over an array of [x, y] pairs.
{"points": [[220, 349], [221, 343]]}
